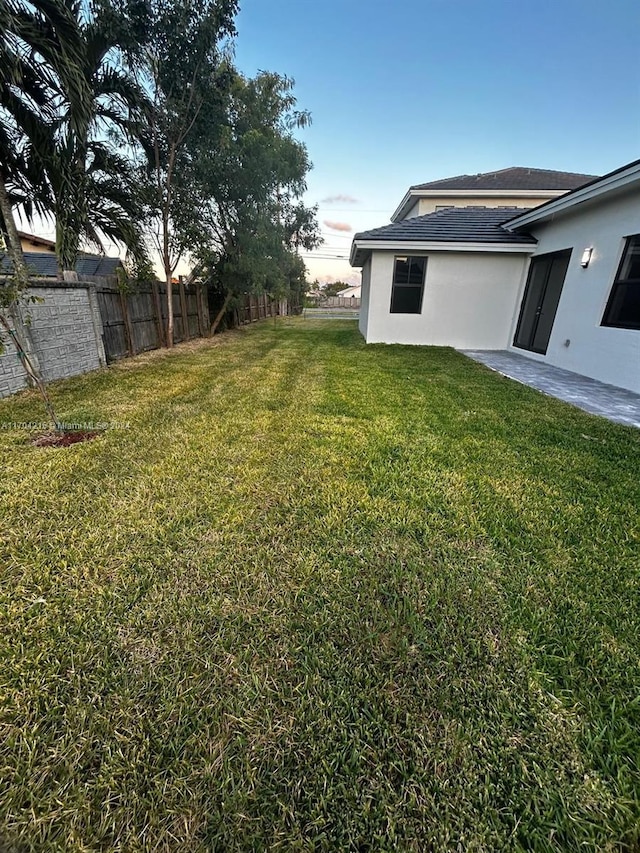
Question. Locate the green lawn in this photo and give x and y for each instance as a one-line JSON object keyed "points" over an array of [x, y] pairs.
{"points": [[318, 597]]}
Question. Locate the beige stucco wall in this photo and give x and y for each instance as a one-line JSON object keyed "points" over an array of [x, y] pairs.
{"points": [[470, 300], [607, 354], [31, 246], [428, 205]]}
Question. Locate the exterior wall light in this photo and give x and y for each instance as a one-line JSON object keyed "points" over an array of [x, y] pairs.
{"points": [[586, 257]]}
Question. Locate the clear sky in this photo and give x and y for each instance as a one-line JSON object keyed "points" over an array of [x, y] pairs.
{"points": [[415, 90]]}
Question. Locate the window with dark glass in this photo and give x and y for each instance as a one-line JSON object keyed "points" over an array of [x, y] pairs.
{"points": [[408, 285], [623, 308]]}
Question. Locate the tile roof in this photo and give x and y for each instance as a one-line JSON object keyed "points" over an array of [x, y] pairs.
{"points": [[514, 178], [602, 184], [453, 225], [46, 265]]}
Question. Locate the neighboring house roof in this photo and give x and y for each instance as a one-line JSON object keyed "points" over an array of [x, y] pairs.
{"points": [[349, 291], [477, 226], [516, 181], [513, 178], [37, 241], [47, 265], [620, 181]]}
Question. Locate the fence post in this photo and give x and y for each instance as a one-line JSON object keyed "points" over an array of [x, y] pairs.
{"points": [[128, 329], [201, 326], [183, 310]]}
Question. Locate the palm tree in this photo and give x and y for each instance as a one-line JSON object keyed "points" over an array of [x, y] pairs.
{"points": [[26, 98], [61, 93], [92, 105], [92, 187]]}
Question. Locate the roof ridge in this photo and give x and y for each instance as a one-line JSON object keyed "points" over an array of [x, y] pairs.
{"points": [[516, 171], [540, 169]]}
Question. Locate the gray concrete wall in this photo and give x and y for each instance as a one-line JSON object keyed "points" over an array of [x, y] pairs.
{"points": [[66, 333]]}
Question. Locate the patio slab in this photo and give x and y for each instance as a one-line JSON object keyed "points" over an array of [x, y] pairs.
{"points": [[615, 404]]}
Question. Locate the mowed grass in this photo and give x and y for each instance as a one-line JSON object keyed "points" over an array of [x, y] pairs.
{"points": [[318, 597]]}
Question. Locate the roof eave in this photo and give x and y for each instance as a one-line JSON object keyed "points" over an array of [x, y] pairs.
{"points": [[508, 193], [360, 249], [620, 180], [404, 206]]}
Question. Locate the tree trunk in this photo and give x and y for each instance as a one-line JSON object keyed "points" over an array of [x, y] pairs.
{"points": [[67, 248], [166, 262], [169, 310], [13, 322], [32, 373], [71, 212], [14, 245], [221, 313]]}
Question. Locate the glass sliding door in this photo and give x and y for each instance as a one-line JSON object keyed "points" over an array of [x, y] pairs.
{"points": [[540, 301]]}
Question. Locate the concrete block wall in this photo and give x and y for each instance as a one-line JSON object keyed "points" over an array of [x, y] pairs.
{"points": [[66, 333], [12, 375]]}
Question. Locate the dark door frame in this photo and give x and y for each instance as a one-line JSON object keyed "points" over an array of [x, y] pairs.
{"points": [[547, 257]]}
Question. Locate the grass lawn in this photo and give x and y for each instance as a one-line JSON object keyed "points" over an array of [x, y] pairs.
{"points": [[318, 597]]}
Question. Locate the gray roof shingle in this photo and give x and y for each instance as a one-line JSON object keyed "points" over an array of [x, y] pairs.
{"points": [[453, 225], [514, 178], [46, 265]]}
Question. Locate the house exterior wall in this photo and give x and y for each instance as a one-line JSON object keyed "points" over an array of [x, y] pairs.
{"points": [[428, 205], [469, 301], [36, 246], [364, 298], [607, 354]]}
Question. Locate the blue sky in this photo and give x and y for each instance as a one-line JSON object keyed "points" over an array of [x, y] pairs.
{"points": [[417, 90]]}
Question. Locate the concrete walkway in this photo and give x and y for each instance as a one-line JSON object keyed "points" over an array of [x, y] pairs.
{"points": [[615, 404]]}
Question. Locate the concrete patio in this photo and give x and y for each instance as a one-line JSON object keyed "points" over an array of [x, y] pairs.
{"points": [[615, 404]]}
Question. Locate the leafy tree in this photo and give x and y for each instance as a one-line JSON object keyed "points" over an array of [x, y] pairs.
{"points": [[252, 221], [334, 288], [186, 71]]}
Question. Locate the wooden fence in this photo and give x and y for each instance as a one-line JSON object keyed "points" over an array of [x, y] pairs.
{"points": [[136, 321], [254, 308], [334, 302]]}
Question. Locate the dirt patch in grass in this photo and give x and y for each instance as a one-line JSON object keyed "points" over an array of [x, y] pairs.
{"points": [[63, 439]]}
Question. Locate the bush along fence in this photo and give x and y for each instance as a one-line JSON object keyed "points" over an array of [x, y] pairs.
{"points": [[77, 326]]}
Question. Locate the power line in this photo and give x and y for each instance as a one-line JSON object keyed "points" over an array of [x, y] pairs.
{"points": [[353, 209], [325, 258]]}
